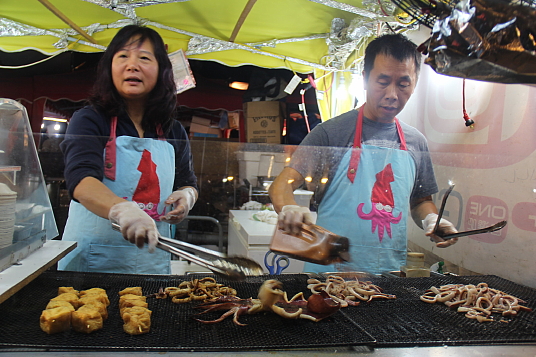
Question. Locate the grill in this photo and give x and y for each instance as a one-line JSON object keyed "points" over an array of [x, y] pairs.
{"points": [[172, 326], [407, 321]]}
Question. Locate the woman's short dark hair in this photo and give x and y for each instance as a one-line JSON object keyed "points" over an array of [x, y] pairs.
{"points": [[396, 46], [162, 100]]}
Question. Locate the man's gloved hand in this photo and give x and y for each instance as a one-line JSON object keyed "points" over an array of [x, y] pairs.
{"points": [[444, 227], [136, 225], [292, 217], [182, 202]]}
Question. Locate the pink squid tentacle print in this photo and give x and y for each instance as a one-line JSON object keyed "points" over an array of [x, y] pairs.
{"points": [[381, 214]]}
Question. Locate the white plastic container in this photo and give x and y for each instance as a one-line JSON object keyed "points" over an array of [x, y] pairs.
{"points": [[252, 164]]}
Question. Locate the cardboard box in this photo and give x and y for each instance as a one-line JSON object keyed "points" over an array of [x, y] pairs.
{"points": [[233, 119], [264, 121], [202, 129], [201, 121]]}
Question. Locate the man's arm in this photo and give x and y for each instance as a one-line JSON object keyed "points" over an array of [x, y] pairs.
{"points": [[420, 208], [424, 209], [291, 216], [282, 189]]}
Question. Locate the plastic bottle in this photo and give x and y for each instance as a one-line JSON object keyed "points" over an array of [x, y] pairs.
{"points": [[414, 266]]}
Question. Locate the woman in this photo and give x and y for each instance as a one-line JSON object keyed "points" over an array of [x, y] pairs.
{"points": [[127, 161]]}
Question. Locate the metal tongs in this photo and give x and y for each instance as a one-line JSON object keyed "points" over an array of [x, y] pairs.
{"points": [[229, 267], [492, 228]]}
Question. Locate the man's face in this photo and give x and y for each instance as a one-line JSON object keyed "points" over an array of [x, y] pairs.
{"points": [[389, 86]]}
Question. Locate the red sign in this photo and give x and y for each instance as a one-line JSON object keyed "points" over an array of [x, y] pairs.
{"points": [[483, 211]]}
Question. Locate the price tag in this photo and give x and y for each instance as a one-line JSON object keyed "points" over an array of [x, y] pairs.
{"points": [[293, 84]]}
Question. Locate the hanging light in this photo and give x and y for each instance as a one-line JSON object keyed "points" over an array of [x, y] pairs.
{"points": [[239, 85]]}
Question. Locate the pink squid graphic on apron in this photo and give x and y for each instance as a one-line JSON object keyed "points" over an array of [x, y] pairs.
{"points": [[147, 193], [382, 201]]}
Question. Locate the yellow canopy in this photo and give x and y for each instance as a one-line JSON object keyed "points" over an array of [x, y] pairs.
{"points": [[267, 33]]}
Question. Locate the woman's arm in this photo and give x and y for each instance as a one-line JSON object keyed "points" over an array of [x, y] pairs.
{"points": [[96, 196]]}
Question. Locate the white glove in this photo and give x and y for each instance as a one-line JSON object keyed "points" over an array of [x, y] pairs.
{"points": [[182, 202], [136, 225], [445, 227], [292, 217]]}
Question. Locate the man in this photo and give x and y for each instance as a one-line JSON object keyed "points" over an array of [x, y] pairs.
{"points": [[378, 169]]}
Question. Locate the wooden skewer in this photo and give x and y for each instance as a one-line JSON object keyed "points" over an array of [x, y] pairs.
{"points": [[68, 21], [241, 19]]}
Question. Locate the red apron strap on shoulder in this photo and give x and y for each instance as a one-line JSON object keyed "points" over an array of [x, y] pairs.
{"points": [[160, 132], [110, 152], [356, 148]]}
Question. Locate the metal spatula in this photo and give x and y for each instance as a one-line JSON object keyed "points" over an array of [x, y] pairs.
{"points": [[229, 267]]}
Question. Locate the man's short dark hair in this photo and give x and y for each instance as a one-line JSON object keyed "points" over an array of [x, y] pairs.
{"points": [[396, 46]]}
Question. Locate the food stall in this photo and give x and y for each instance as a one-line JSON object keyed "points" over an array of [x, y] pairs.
{"points": [[494, 153]]}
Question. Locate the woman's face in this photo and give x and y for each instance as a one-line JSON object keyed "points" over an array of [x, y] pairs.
{"points": [[135, 70]]}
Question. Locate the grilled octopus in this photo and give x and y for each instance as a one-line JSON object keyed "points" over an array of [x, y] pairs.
{"points": [[272, 298]]}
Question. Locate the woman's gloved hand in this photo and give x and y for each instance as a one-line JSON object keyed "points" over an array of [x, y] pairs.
{"points": [[136, 225], [182, 202], [445, 227], [292, 217]]}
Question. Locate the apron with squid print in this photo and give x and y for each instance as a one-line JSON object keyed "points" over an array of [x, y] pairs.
{"points": [[368, 202]]}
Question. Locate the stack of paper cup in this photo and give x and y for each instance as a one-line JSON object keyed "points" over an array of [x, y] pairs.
{"points": [[8, 200]]}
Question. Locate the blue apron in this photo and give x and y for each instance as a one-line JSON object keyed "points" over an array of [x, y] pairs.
{"points": [[371, 211], [101, 249]]}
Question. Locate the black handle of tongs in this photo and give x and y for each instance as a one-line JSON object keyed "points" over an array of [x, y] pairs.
{"points": [[441, 210], [492, 228]]}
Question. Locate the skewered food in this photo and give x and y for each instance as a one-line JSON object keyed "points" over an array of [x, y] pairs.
{"points": [[67, 310], [55, 320], [95, 304], [478, 302], [71, 298], [348, 292], [133, 290], [96, 292], [86, 319], [52, 304], [67, 289], [134, 312], [137, 320]]}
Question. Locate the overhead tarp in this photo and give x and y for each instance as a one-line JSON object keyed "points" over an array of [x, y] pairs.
{"points": [[281, 33], [300, 35]]}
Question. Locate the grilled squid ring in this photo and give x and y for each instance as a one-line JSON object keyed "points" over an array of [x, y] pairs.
{"points": [[429, 297]]}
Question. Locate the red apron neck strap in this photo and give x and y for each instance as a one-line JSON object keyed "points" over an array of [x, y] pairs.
{"points": [[110, 152], [160, 132], [356, 149]]}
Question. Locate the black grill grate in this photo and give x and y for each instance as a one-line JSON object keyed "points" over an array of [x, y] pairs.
{"points": [[173, 328], [407, 321]]}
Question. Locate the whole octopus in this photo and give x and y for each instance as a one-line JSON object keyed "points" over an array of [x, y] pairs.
{"points": [[348, 292], [271, 297], [477, 302]]}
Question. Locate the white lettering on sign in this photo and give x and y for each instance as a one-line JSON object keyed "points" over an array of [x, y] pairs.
{"points": [[533, 218], [497, 212]]}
